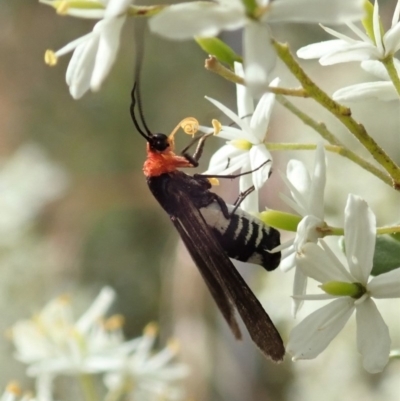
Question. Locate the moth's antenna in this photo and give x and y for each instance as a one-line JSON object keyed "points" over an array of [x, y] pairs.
{"points": [[135, 94]]}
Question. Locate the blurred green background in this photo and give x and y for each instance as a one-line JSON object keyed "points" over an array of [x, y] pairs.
{"points": [[105, 228]]}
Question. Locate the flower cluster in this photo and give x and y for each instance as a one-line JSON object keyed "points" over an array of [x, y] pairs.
{"points": [[54, 344], [57, 347]]}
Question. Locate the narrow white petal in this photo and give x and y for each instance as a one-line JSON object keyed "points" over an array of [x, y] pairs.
{"points": [[386, 285], [260, 120], [184, 21], [235, 118], [288, 259], [308, 339], [260, 56], [318, 50], [323, 11], [307, 231], [231, 133], [260, 155], [360, 237], [396, 14], [358, 52], [245, 103], [250, 203], [373, 340], [97, 310], [235, 164], [299, 183], [371, 90], [318, 180], [360, 33], [292, 204], [87, 14], [74, 44], [299, 288], [318, 264], [107, 51], [376, 68], [117, 8], [339, 35], [391, 39], [377, 28]]}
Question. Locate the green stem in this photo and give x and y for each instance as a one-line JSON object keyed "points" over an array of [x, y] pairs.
{"points": [[391, 69], [388, 230], [342, 151], [88, 387], [213, 65], [343, 114]]}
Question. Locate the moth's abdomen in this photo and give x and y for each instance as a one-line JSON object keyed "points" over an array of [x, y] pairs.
{"points": [[243, 236]]}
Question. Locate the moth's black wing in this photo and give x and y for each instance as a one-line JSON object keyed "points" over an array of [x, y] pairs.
{"points": [[225, 283]]}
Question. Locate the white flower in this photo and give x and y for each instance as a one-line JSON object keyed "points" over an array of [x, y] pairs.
{"points": [[246, 149], [382, 90], [28, 182], [204, 19], [345, 49], [148, 376], [308, 201], [53, 343], [94, 53], [313, 334]]}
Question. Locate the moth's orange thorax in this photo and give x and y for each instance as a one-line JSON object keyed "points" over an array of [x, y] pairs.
{"points": [[158, 163]]}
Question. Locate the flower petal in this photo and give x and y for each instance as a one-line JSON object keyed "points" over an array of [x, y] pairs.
{"points": [[373, 340], [376, 68], [309, 338], [116, 8], [260, 120], [245, 103], [250, 203], [392, 39], [186, 20], [359, 237], [318, 50], [386, 285], [226, 160], [260, 56], [357, 52], [320, 265], [260, 155], [371, 90], [318, 180], [299, 288]]}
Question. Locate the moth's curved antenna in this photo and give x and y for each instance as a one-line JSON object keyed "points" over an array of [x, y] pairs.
{"points": [[135, 94]]}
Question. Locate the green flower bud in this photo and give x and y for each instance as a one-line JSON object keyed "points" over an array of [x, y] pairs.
{"points": [[220, 50], [282, 220], [343, 289]]}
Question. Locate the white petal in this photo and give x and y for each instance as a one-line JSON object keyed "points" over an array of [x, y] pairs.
{"points": [[260, 120], [184, 21], [97, 310], [317, 50], [316, 200], [107, 51], [371, 90], [299, 288], [227, 158], [299, 183], [250, 203], [392, 39], [373, 340], [260, 155], [74, 44], [260, 56], [340, 35], [308, 339], [235, 118], [44, 387], [231, 133], [307, 231], [377, 28], [357, 52], [386, 285], [116, 8], [288, 259], [322, 11], [245, 104], [396, 14], [316, 263], [88, 13], [359, 237], [376, 68]]}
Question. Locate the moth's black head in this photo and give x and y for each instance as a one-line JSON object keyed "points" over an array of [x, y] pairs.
{"points": [[159, 142]]}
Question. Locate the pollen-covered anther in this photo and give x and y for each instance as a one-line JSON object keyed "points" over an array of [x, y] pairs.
{"points": [[213, 181], [50, 58], [13, 388], [189, 125], [217, 126], [151, 329], [173, 345], [114, 322]]}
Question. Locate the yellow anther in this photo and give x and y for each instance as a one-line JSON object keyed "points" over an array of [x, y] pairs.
{"points": [[114, 322], [173, 345], [13, 388], [62, 8], [213, 181], [50, 58], [217, 126], [189, 125], [151, 329], [64, 299], [241, 144]]}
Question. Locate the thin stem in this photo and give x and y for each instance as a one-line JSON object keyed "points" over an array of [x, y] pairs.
{"points": [[342, 151], [213, 65], [391, 69], [388, 230], [343, 114], [88, 387]]}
